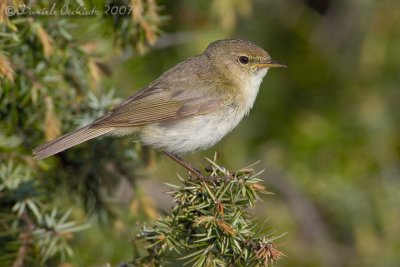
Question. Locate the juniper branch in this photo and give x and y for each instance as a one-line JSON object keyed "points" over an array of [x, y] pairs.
{"points": [[210, 224]]}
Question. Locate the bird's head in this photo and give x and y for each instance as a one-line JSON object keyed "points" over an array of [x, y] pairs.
{"points": [[240, 59]]}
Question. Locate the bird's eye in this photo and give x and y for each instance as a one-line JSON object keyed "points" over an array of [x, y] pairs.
{"points": [[244, 60]]}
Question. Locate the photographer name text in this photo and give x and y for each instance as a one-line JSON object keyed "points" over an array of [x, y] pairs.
{"points": [[68, 10]]}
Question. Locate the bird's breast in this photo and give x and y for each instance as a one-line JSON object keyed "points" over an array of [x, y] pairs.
{"points": [[193, 133]]}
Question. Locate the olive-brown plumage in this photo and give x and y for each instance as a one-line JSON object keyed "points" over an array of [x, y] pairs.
{"points": [[189, 107]]}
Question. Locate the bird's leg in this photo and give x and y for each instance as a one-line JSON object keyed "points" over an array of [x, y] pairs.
{"points": [[187, 166]]}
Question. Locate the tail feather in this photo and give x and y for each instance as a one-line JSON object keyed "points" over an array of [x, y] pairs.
{"points": [[69, 140]]}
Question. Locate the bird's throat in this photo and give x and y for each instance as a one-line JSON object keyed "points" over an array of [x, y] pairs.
{"points": [[250, 88]]}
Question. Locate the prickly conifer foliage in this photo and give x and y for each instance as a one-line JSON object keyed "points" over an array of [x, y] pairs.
{"points": [[211, 224]]}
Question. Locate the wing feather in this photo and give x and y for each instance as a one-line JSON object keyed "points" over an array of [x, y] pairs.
{"points": [[157, 107]]}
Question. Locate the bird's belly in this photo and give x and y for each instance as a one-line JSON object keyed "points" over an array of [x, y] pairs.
{"points": [[190, 134]]}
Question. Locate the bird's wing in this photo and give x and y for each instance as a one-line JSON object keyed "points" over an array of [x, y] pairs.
{"points": [[157, 104]]}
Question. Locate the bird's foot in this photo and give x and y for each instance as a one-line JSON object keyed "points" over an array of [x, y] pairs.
{"points": [[193, 172]]}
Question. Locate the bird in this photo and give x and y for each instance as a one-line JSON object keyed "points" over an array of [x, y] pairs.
{"points": [[190, 107]]}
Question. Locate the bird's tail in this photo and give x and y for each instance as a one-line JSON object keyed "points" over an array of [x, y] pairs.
{"points": [[69, 140]]}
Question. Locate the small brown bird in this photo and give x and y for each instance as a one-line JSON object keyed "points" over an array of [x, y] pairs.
{"points": [[190, 107]]}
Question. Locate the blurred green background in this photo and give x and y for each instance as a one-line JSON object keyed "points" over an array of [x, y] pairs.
{"points": [[327, 129]]}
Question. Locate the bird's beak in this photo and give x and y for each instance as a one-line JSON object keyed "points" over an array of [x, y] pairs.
{"points": [[271, 64]]}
